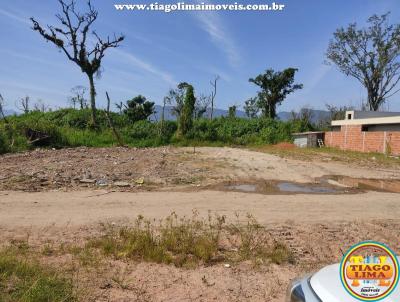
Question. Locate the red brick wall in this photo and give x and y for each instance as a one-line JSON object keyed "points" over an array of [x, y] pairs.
{"points": [[352, 138]]}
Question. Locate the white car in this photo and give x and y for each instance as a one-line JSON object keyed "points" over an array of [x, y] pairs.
{"points": [[326, 286]]}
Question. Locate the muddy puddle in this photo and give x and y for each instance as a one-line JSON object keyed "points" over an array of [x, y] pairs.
{"points": [[280, 187], [304, 188], [324, 185]]}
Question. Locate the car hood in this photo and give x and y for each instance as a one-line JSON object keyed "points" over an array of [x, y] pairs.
{"points": [[328, 287]]}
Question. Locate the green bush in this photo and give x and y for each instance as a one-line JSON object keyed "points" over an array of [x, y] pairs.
{"points": [[4, 144], [85, 137], [74, 118], [34, 126], [149, 130], [244, 131], [69, 127], [11, 139]]}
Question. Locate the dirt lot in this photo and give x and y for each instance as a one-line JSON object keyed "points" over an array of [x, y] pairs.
{"points": [[166, 168], [59, 196]]}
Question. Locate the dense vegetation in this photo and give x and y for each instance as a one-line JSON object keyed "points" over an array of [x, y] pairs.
{"points": [[71, 128]]}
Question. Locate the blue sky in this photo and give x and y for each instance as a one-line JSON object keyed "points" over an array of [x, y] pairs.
{"points": [[162, 50]]}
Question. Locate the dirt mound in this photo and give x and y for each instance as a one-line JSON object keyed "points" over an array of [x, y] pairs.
{"points": [[123, 169]]}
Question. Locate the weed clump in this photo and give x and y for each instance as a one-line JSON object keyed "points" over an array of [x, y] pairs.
{"points": [[187, 242], [180, 241]]}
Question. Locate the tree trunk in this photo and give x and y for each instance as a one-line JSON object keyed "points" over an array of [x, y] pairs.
{"points": [[374, 99], [212, 108], [162, 118], [92, 99], [269, 111]]}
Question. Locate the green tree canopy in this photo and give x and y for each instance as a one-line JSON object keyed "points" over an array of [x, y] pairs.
{"points": [[232, 111], [275, 86], [176, 98], [138, 108], [371, 55], [186, 117]]}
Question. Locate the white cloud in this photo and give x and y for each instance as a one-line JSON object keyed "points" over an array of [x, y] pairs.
{"points": [[14, 16], [316, 77], [213, 24], [130, 58]]}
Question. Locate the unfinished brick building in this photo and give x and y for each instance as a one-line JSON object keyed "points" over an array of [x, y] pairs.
{"points": [[366, 132]]}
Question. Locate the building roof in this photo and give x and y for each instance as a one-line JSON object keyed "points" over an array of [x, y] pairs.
{"points": [[306, 133], [369, 121], [356, 115]]}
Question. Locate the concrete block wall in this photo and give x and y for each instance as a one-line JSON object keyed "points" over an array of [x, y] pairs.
{"points": [[352, 138]]}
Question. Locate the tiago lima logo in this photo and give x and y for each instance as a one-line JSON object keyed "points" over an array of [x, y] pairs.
{"points": [[369, 271]]}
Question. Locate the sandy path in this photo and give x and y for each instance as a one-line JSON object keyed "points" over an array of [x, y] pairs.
{"points": [[88, 207], [252, 164]]}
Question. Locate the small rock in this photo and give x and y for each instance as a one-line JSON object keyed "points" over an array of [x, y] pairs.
{"points": [[121, 184], [87, 181], [102, 182], [227, 265]]}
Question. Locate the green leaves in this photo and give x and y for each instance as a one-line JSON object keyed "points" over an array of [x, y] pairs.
{"points": [[138, 109], [371, 55], [275, 86], [186, 117]]}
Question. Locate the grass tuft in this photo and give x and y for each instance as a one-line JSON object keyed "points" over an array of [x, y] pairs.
{"points": [[187, 242], [26, 281], [181, 241]]}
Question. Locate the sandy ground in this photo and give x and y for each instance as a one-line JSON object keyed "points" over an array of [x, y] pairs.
{"points": [[318, 227], [81, 208]]}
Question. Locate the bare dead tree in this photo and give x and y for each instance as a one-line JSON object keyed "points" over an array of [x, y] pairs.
{"points": [[23, 104], [120, 106], [111, 124], [72, 38], [202, 103], [213, 94], [40, 106], [175, 98], [337, 112], [78, 97], [165, 100]]}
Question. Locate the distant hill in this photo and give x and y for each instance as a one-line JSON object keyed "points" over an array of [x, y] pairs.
{"points": [[284, 115], [169, 116], [317, 115]]}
